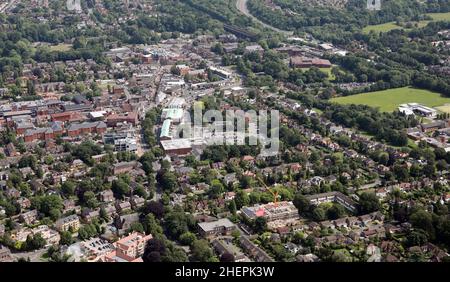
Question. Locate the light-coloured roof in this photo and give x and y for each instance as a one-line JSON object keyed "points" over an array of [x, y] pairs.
{"points": [[165, 129], [210, 226], [173, 113], [176, 144]]}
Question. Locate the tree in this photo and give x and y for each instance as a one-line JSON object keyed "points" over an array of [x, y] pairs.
{"points": [[301, 203], [216, 189], [201, 251], [335, 212], [401, 173], [137, 226], [260, 224], [416, 238], [232, 207], [178, 223], [318, 214], [340, 256], [241, 199], [103, 214], [423, 220], [187, 238], [47, 203], [156, 208], [120, 188], [90, 199], [152, 257], [151, 225], [167, 180], [66, 238], [34, 242], [154, 250], [68, 188], [368, 202]]}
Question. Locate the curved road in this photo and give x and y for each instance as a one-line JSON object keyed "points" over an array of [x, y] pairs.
{"points": [[241, 5]]}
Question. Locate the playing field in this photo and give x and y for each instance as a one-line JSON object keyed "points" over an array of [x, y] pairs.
{"points": [[440, 16], [392, 25], [389, 100], [445, 108], [381, 27]]}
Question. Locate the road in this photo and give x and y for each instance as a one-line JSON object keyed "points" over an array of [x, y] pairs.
{"points": [[241, 5]]}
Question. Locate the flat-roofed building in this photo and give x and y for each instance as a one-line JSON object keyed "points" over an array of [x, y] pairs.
{"points": [[272, 211], [219, 227], [336, 197], [220, 72], [115, 119], [174, 114], [177, 146], [419, 109], [165, 130], [96, 248], [305, 62]]}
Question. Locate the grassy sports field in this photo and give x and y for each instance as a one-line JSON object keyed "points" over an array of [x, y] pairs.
{"points": [[389, 100], [392, 25]]}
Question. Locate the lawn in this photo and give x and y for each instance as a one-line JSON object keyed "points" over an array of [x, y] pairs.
{"points": [[324, 70], [440, 16], [445, 108], [392, 25], [61, 47], [389, 100], [381, 27]]}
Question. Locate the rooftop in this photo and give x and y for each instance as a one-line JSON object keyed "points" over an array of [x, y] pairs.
{"points": [[210, 226]]}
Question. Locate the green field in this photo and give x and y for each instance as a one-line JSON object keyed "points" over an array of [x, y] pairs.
{"points": [[381, 27], [61, 47], [392, 25], [440, 16], [324, 70], [444, 108], [389, 100]]}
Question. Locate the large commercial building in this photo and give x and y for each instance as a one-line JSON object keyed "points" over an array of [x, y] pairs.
{"points": [[122, 141], [174, 114], [305, 62], [177, 146], [415, 108], [78, 129]]}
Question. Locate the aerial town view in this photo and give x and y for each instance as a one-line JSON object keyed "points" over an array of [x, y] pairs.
{"points": [[225, 131]]}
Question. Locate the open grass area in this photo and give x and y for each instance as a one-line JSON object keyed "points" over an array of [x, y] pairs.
{"points": [[392, 25], [440, 16], [324, 70], [389, 100], [61, 47], [381, 27], [445, 108]]}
